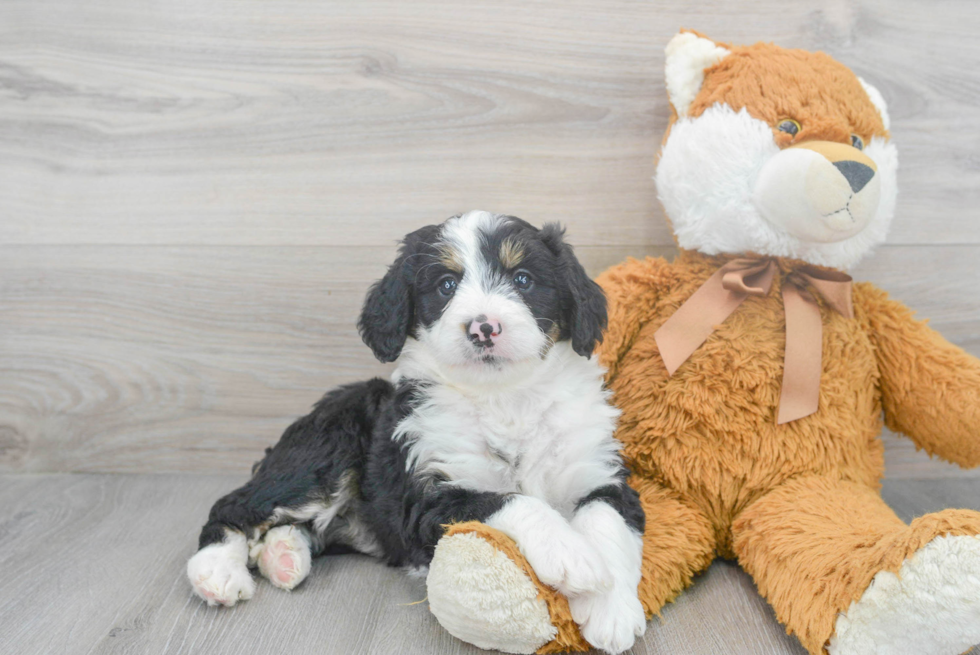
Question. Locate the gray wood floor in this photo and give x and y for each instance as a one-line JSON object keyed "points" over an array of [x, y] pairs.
{"points": [[195, 196], [94, 563]]}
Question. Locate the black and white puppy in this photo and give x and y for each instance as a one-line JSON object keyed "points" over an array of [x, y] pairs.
{"points": [[495, 413]]}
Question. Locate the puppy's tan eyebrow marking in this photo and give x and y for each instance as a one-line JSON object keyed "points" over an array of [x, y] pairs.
{"points": [[450, 258], [511, 253]]}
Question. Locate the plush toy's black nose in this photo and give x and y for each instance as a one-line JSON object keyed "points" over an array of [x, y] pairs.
{"points": [[856, 173]]}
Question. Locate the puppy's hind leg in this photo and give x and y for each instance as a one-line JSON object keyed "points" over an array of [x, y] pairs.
{"points": [[300, 481], [219, 571], [284, 555]]}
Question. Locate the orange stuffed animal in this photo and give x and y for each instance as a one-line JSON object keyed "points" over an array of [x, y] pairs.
{"points": [[752, 379]]}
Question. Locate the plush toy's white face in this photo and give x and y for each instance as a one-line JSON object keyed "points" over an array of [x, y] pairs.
{"points": [[792, 172]]}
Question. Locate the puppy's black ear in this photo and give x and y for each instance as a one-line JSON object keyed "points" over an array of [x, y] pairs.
{"points": [[583, 302], [388, 309]]}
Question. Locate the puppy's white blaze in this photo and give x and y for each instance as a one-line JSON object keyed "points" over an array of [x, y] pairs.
{"points": [[480, 292], [463, 233], [708, 170]]}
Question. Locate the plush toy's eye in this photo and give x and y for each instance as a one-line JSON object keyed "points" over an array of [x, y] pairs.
{"points": [[789, 126], [522, 280], [857, 142], [447, 285]]}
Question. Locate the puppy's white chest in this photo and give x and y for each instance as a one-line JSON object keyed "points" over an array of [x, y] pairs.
{"points": [[511, 452], [550, 438]]}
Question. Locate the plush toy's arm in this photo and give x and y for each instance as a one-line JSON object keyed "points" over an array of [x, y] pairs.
{"points": [[930, 388], [632, 289]]}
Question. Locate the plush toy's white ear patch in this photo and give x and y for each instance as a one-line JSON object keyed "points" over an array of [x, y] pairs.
{"points": [[878, 101], [687, 56]]}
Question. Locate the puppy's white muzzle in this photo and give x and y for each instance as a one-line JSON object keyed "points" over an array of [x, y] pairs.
{"points": [[819, 191]]}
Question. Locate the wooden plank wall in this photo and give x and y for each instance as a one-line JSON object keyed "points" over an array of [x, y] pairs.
{"points": [[194, 196]]}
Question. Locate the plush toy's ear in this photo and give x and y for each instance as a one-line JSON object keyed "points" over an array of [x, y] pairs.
{"points": [[687, 56], [878, 101], [389, 309], [583, 302]]}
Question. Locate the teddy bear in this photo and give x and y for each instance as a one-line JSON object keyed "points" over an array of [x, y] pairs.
{"points": [[754, 378]]}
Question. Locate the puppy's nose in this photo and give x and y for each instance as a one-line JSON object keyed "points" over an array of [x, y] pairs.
{"points": [[856, 173], [484, 329]]}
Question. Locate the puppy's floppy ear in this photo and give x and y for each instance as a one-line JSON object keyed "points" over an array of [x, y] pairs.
{"points": [[583, 302], [388, 309]]}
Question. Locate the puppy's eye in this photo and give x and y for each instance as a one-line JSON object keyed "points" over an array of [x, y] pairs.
{"points": [[447, 285], [789, 126], [522, 280], [857, 142]]}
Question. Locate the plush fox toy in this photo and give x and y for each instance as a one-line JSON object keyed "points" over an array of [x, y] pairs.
{"points": [[753, 378]]}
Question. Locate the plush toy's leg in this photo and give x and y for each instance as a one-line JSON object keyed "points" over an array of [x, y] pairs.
{"points": [[678, 543], [844, 573], [482, 590]]}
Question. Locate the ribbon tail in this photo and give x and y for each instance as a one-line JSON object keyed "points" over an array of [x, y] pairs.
{"points": [[800, 395]]}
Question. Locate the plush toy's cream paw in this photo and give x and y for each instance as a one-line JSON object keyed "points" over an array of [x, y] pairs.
{"points": [[932, 606], [283, 556], [483, 591], [219, 572], [481, 596], [609, 621]]}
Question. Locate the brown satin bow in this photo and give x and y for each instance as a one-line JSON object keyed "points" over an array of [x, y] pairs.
{"points": [[716, 299]]}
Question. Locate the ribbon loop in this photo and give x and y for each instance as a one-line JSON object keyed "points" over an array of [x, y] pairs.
{"points": [[747, 276], [694, 321]]}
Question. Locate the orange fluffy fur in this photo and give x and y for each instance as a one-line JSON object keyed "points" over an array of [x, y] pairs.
{"points": [[797, 504]]}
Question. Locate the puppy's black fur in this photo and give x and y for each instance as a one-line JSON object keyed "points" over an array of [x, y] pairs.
{"points": [[343, 451]]}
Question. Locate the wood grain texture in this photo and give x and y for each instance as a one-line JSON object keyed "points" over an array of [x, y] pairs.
{"points": [[168, 359], [149, 359], [340, 123], [194, 198], [99, 562]]}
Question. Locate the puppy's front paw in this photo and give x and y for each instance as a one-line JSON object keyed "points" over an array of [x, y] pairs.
{"points": [[569, 564], [609, 621], [219, 574]]}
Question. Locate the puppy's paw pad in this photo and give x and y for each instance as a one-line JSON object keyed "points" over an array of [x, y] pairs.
{"points": [[610, 622], [285, 556], [220, 576]]}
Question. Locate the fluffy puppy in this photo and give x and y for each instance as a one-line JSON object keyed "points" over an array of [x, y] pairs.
{"points": [[495, 413]]}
